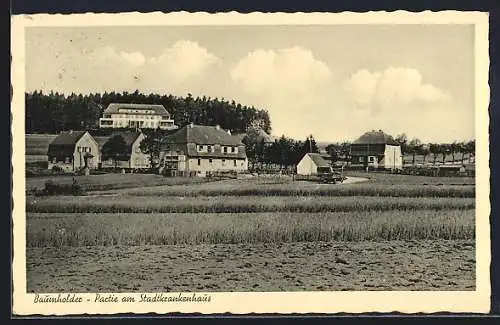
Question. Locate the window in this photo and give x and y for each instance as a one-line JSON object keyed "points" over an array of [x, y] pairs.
{"points": [[201, 147], [361, 159], [233, 149], [78, 149], [370, 159], [209, 148], [90, 149], [223, 162], [199, 162], [225, 149], [234, 162], [210, 160]]}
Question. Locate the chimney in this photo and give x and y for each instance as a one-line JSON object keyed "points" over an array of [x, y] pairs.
{"points": [[217, 127]]}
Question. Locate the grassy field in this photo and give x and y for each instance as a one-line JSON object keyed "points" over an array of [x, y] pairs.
{"points": [[112, 181], [133, 212], [88, 229]]}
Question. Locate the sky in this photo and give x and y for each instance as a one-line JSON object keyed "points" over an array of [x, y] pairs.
{"points": [[332, 81]]}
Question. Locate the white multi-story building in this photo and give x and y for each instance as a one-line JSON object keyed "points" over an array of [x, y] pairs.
{"points": [[147, 116]]}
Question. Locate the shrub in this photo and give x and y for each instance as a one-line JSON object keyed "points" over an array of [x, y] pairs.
{"points": [[57, 169], [52, 188]]}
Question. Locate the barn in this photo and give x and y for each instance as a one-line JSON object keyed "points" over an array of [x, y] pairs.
{"points": [[376, 150], [312, 164]]}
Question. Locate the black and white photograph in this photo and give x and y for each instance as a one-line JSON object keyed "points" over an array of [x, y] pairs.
{"points": [[177, 162]]}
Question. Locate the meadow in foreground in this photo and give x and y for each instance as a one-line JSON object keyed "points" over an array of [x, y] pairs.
{"points": [[288, 235]]}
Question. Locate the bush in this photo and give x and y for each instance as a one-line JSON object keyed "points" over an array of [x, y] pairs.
{"points": [[57, 169], [52, 188]]}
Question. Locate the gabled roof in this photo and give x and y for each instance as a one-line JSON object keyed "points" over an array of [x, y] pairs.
{"points": [[202, 134], [375, 137], [318, 159], [262, 135], [64, 143], [114, 108]]}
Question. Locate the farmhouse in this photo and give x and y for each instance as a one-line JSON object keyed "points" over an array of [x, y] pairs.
{"points": [[312, 164], [72, 150], [376, 150], [136, 116], [131, 158], [199, 150]]}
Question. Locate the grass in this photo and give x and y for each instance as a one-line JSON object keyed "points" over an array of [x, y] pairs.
{"points": [[242, 204], [113, 181], [56, 230], [296, 189], [398, 179]]}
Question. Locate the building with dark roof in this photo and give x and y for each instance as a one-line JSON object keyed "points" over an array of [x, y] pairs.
{"points": [[201, 150], [118, 115], [132, 159], [376, 150], [312, 164], [71, 150]]}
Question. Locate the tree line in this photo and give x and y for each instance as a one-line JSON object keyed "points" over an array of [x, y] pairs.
{"points": [[55, 112]]}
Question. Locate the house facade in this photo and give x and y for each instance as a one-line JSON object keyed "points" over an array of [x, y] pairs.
{"points": [[134, 116], [72, 150], [376, 150], [133, 158], [312, 164], [199, 150]]}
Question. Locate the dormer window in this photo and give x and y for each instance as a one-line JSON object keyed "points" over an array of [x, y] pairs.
{"points": [[225, 149], [233, 149], [209, 148]]}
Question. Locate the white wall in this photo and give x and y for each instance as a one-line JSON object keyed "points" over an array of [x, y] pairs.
{"points": [[306, 166], [217, 164], [392, 157]]}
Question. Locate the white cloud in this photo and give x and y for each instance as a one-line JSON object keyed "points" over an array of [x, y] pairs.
{"points": [[292, 71], [393, 88], [291, 83], [184, 59], [134, 58], [107, 68]]}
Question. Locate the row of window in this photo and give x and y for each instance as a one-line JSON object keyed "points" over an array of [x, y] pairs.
{"points": [[67, 160], [210, 148], [83, 149], [370, 159], [210, 161]]}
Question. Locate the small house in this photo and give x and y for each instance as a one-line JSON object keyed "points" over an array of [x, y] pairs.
{"points": [[73, 150], [132, 157], [376, 150], [201, 150], [312, 164]]}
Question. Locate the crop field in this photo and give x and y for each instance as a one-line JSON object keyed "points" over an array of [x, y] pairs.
{"points": [[389, 232]]}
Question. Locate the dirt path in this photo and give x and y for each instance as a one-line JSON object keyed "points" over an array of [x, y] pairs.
{"points": [[312, 266]]}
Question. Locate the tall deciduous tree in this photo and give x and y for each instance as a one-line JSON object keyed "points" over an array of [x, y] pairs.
{"points": [[115, 148]]}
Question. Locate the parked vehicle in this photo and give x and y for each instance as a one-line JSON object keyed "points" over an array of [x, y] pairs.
{"points": [[328, 175]]}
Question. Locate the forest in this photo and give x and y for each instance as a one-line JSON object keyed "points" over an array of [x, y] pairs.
{"points": [[55, 112]]}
